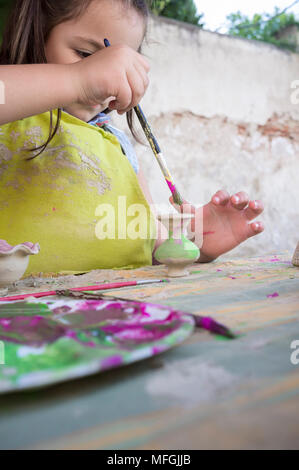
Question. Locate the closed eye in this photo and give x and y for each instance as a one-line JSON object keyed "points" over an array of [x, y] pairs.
{"points": [[82, 54]]}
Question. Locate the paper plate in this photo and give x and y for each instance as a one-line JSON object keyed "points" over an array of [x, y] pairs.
{"points": [[47, 341]]}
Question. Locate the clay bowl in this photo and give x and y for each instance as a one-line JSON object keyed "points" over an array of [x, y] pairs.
{"points": [[14, 261]]}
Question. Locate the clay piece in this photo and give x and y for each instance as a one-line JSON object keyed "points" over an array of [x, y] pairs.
{"points": [[177, 253], [295, 259], [14, 261]]}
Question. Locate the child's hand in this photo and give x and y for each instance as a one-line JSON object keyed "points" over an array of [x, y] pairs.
{"points": [[225, 221], [117, 74]]}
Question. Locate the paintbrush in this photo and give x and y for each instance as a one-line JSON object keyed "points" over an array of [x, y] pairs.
{"points": [[177, 198], [206, 323], [115, 285]]}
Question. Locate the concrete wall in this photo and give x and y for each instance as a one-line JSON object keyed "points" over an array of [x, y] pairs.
{"points": [[221, 109]]}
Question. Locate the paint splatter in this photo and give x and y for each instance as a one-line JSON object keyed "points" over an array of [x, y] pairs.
{"points": [[272, 296]]}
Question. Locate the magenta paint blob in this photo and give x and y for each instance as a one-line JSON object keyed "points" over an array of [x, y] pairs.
{"points": [[272, 296]]}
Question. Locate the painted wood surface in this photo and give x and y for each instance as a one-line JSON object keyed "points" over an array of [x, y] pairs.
{"points": [[207, 393]]}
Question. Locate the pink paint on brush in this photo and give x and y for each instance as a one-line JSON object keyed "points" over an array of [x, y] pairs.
{"points": [[171, 186]]}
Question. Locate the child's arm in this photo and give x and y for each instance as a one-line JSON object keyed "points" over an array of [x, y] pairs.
{"points": [[117, 73], [34, 89]]}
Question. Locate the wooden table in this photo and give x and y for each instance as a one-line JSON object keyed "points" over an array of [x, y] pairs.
{"points": [[205, 394]]}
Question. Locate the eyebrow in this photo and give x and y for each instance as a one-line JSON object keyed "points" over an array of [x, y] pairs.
{"points": [[90, 41]]}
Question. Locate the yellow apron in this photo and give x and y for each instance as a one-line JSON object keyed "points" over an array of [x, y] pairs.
{"points": [[80, 199]]}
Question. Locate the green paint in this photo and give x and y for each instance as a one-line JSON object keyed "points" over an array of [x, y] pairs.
{"points": [[177, 249], [24, 309], [221, 338]]}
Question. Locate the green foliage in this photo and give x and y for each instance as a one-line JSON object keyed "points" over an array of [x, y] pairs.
{"points": [[182, 10], [179, 10], [263, 27]]}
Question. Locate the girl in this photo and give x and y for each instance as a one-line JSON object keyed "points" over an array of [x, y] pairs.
{"points": [[62, 165]]}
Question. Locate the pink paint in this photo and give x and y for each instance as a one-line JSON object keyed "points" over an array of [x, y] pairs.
{"points": [[158, 349], [54, 209], [112, 361], [171, 186], [71, 334], [5, 323], [35, 321], [219, 270], [272, 296], [206, 323], [231, 277], [208, 233]]}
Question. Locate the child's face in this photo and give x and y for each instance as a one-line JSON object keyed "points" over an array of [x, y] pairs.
{"points": [[70, 41]]}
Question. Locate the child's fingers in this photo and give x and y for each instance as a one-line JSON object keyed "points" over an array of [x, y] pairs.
{"points": [[144, 62], [220, 198], [124, 98], [255, 228], [130, 93], [143, 74], [254, 209], [240, 200], [136, 82]]}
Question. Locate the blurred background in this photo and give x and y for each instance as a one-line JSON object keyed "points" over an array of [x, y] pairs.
{"points": [[224, 103]]}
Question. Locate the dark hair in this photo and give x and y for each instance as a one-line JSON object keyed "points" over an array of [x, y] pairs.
{"points": [[28, 27]]}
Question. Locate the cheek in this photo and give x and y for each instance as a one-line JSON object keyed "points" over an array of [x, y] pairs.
{"points": [[57, 52], [52, 52]]}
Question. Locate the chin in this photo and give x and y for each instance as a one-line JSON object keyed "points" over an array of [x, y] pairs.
{"points": [[82, 114]]}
